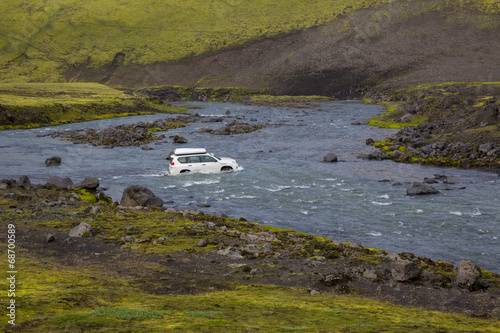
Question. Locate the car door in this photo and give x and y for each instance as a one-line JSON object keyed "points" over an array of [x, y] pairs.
{"points": [[209, 164], [195, 164]]}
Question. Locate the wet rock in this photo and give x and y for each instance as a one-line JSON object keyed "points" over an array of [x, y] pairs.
{"points": [[421, 189], [53, 161], [146, 147], [468, 275], [370, 141], [430, 180], [330, 157], [83, 229], [204, 129], [138, 195], [89, 183], [59, 182], [180, 139], [403, 271]]}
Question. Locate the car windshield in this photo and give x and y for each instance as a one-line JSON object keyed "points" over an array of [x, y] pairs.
{"points": [[217, 158]]}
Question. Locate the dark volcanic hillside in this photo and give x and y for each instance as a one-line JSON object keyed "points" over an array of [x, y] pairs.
{"points": [[396, 44]]}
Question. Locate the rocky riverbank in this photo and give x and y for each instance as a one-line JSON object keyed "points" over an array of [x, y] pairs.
{"points": [[61, 226], [444, 124]]}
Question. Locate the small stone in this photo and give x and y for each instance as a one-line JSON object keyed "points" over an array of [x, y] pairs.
{"points": [[202, 243], [81, 230], [127, 239], [49, 238], [209, 225]]}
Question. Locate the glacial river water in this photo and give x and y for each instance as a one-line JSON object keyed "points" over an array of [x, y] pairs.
{"points": [[284, 183]]}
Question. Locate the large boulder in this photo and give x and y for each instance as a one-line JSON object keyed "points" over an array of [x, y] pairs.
{"points": [[180, 139], [421, 189], [59, 182], [89, 183], [55, 160], [403, 271], [137, 195], [330, 157], [468, 275]]}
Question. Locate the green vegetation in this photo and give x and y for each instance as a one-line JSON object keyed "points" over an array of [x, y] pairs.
{"points": [[152, 284], [28, 105], [41, 40]]}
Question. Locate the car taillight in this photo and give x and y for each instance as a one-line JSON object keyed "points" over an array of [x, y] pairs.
{"points": [[172, 163]]}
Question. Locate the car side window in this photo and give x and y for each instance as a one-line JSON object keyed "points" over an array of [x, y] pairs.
{"points": [[208, 159], [182, 159], [194, 159]]}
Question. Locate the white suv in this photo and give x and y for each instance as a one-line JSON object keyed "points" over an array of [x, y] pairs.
{"points": [[198, 160]]}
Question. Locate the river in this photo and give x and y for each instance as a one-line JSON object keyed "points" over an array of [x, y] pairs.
{"points": [[283, 182]]}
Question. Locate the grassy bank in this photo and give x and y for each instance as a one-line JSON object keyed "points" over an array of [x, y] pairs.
{"points": [[144, 270], [28, 105], [459, 115]]}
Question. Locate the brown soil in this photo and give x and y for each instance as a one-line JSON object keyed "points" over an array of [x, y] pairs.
{"points": [[392, 45]]}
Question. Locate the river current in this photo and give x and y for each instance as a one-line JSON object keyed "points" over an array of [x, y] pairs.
{"points": [[283, 182]]}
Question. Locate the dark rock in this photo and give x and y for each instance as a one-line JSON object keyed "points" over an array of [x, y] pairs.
{"points": [[53, 161], [330, 157], [137, 195], [356, 123], [49, 238], [24, 182], [370, 141], [89, 183], [421, 189], [204, 129], [430, 181], [468, 275], [180, 139], [405, 271], [59, 182], [146, 147]]}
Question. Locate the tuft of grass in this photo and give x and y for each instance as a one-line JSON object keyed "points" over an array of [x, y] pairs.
{"points": [[128, 314]]}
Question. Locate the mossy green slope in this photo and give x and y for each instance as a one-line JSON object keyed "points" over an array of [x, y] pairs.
{"points": [[41, 39], [38, 39], [27, 105]]}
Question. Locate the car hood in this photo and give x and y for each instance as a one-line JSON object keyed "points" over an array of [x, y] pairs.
{"points": [[227, 160]]}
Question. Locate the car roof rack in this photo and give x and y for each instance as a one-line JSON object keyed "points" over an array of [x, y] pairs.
{"points": [[189, 151]]}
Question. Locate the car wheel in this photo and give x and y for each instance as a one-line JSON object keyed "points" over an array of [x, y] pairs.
{"points": [[226, 169], [185, 171]]}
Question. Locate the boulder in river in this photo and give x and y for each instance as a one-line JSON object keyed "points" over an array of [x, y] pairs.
{"points": [[180, 139], [52, 161], [330, 157], [421, 189], [137, 195]]}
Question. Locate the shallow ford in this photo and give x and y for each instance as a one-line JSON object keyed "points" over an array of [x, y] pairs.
{"points": [[186, 160]]}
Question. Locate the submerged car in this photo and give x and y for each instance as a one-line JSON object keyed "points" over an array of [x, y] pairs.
{"points": [[185, 160]]}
